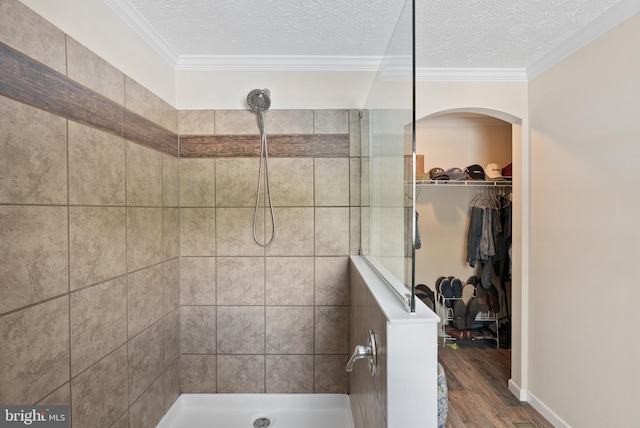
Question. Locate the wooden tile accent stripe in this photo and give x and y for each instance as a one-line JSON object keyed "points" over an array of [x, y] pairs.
{"points": [[30, 82], [203, 146], [147, 133]]}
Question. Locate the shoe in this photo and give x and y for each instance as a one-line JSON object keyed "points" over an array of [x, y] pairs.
{"points": [[446, 291], [493, 299], [467, 293], [459, 315], [473, 280], [482, 296], [425, 299], [425, 290], [456, 286], [487, 333], [453, 332], [473, 307]]}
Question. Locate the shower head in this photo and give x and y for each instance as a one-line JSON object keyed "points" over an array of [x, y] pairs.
{"points": [[259, 99]]}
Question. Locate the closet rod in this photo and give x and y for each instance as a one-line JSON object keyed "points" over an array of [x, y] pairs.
{"points": [[455, 183]]}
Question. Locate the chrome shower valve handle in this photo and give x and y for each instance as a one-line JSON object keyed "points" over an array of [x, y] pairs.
{"points": [[362, 352]]}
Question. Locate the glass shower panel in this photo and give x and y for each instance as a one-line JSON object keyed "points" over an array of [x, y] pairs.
{"points": [[388, 157]]}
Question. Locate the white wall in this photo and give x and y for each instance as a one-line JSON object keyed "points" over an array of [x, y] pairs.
{"points": [[584, 362], [310, 89]]}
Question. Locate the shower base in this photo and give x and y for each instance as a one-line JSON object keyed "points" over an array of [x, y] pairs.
{"points": [[264, 410]]}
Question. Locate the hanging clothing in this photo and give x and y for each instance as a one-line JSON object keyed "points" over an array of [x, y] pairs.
{"points": [[485, 243]]}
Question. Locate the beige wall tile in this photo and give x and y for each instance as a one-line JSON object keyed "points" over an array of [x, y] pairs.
{"points": [[332, 231], [197, 122], [198, 231], [144, 237], [240, 329], [240, 281], [331, 121], [354, 182], [171, 337], [142, 101], [241, 373], [331, 329], [235, 233], [171, 384], [145, 298], [97, 246], [237, 182], [24, 30], [289, 281], [146, 359], [34, 254], [95, 73], [198, 329], [170, 233], [169, 117], [149, 409], [291, 374], [198, 281], [144, 176], [294, 236], [96, 167], [59, 397], [197, 183], [332, 280], [354, 235], [34, 352], [330, 377], [98, 322], [100, 394], [33, 165], [289, 122], [171, 280], [236, 122], [289, 329], [331, 182], [198, 373], [170, 191], [291, 181], [122, 422], [354, 133]]}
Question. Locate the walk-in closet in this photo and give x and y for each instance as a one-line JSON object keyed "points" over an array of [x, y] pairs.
{"points": [[451, 143]]}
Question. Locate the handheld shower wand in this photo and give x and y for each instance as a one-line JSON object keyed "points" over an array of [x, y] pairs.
{"points": [[260, 100]]}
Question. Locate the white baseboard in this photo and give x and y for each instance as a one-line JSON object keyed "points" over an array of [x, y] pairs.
{"points": [[545, 411], [521, 394]]}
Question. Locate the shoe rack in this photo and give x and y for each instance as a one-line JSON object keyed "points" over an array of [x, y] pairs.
{"points": [[447, 316]]}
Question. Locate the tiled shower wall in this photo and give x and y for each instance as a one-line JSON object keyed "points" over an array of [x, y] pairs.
{"points": [[89, 233], [274, 319]]}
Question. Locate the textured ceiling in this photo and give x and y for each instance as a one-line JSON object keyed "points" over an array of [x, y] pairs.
{"points": [[450, 33]]}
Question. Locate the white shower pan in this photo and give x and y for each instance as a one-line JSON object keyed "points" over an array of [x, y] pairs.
{"points": [[259, 411]]}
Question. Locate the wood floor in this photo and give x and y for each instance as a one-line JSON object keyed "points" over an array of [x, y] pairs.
{"points": [[477, 374]]}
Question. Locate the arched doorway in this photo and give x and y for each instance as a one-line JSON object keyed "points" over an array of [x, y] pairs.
{"points": [[503, 126]]}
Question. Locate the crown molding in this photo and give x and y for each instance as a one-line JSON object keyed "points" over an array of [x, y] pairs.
{"points": [[142, 28], [278, 62], [604, 23], [471, 74]]}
